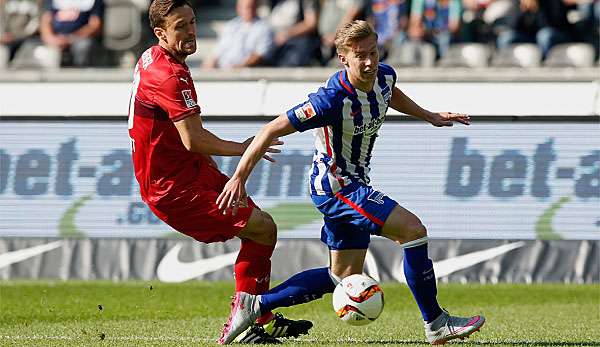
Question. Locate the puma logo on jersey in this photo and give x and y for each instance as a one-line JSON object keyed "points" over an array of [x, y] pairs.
{"points": [[184, 80], [263, 279]]}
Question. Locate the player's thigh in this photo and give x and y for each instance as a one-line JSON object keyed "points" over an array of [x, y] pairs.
{"points": [[352, 215], [403, 226], [260, 228], [196, 214], [346, 262]]}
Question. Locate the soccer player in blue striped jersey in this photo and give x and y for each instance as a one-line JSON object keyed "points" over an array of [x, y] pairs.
{"points": [[346, 115]]}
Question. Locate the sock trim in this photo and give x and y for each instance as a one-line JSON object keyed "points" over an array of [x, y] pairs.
{"points": [[416, 243], [334, 278]]}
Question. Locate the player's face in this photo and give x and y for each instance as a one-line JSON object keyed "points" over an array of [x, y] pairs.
{"points": [[362, 60], [179, 34]]}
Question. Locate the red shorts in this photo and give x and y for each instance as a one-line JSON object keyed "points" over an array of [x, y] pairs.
{"points": [[194, 211]]}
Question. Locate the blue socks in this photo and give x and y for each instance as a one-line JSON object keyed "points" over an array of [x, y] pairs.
{"points": [[418, 270], [303, 287], [312, 284]]}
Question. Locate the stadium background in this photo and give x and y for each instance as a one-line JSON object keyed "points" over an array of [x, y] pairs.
{"points": [[514, 198], [511, 203]]}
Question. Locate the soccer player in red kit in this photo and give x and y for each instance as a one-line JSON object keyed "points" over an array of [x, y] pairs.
{"points": [[178, 179]]}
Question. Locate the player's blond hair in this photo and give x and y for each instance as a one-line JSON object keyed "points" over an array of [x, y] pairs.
{"points": [[351, 33]]}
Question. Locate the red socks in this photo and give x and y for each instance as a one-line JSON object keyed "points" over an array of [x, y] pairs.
{"points": [[253, 268]]}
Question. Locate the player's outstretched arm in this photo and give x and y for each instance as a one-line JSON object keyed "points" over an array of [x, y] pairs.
{"points": [[234, 191], [402, 103], [199, 140]]}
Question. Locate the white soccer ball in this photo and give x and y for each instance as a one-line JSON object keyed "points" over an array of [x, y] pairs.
{"points": [[358, 300]]}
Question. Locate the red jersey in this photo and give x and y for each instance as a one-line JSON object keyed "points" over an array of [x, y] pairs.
{"points": [[162, 93]]}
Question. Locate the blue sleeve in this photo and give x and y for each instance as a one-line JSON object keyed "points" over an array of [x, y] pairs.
{"points": [[388, 70], [321, 109]]}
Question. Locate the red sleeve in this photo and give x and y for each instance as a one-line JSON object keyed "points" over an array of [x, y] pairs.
{"points": [[177, 98]]}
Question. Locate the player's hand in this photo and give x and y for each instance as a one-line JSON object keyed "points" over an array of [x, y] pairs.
{"points": [[274, 142], [233, 196], [447, 119]]}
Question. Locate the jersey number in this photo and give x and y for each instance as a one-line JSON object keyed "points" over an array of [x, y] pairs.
{"points": [[134, 89]]}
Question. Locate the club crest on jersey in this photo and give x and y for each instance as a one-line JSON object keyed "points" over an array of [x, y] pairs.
{"points": [[187, 97], [305, 112]]}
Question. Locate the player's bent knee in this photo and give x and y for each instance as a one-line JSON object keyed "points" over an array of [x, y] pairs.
{"points": [[344, 263], [261, 228], [268, 229], [415, 231]]}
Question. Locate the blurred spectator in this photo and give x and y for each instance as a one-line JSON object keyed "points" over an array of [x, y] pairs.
{"points": [[390, 20], [19, 21], [245, 40], [586, 18], [334, 14], [295, 23], [484, 20], [435, 21], [542, 22], [73, 26]]}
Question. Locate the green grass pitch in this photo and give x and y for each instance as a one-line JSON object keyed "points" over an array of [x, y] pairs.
{"points": [[191, 314]]}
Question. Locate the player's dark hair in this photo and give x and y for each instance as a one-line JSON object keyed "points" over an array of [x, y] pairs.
{"points": [[159, 9], [351, 33]]}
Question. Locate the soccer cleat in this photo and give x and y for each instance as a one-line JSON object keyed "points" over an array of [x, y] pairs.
{"points": [[244, 311], [446, 327], [280, 326], [256, 334]]}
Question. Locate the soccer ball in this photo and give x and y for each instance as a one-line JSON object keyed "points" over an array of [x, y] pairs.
{"points": [[358, 300]]}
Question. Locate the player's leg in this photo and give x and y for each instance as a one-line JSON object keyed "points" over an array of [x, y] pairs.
{"points": [[346, 262], [252, 271], [347, 239], [253, 265], [302, 287], [405, 228], [252, 274], [312, 284]]}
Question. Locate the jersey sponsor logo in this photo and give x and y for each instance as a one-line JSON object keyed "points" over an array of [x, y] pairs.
{"points": [[306, 112], [369, 128], [183, 80], [187, 97]]}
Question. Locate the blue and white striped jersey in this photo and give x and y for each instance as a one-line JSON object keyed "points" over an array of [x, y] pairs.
{"points": [[346, 121]]}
